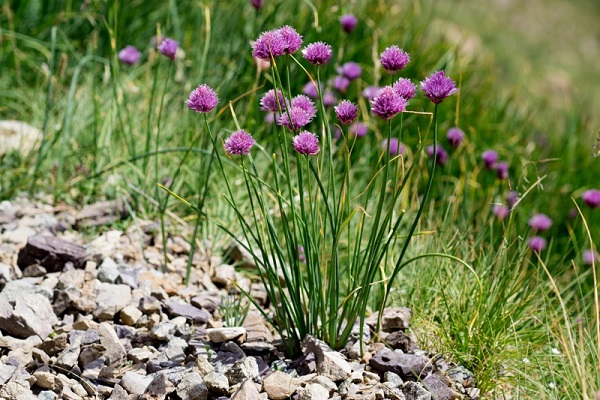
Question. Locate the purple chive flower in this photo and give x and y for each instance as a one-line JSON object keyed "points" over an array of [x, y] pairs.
{"points": [[348, 22], [405, 88], [292, 39], [202, 99], [590, 257], [358, 129], [455, 137], [310, 89], [500, 211], [306, 104], [350, 70], [257, 4], [346, 112], [239, 143], [441, 155], [489, 157], [540, 222], [396, 147], [387, 103], [393, 59], [301, 255], [341, 83], [129, 55], [437, 87], [370, 92], [329, 99], [294, 119], [317, 53], [591, 198], [502, 170], [511, 199], [270, 118], [537, 244], [269, 44], [306, 143], [269, 101], [168, 48]]}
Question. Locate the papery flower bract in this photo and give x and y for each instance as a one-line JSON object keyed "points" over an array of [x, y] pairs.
{"points": [[341, 83], [329, 98], [269, 101], [239, 143], [269, 43], [591, 198], [489, 157], [387, 103], [358, 129], [306, 104], [502, 170], [540, 222], [393, 59], [455, 136], [292, 39], [257, 4], [129, 55], [500, 211], [395, 147], [317, 53], [405, 88], [350, 70], [438, 87], [537, 244], [441, 154], [202, 99], [346, 112], [348, 22], [310, 89], [168, 48], [590, 257], [298, 118], [306, 143], [511, 199], [370, 92]]}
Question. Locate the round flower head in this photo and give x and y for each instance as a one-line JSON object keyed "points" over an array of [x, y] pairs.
{"points": [[393, 59], [511, 199], [168, 48], [387, 103], [329, 99], [310, 89], [269, 44], [502, 170], [500, 211], [540, 222], [405, 88], [350, 70], [239, 143], [591, 257], [306, 104], [591, 198], [257, 4], [269, 101], [396, 147], [537, 244], [348, 22], [358, 129], [294, 118], [437, 87], [441, 155], [306, 143], [292, 39], [489, 157], [346, 112], [455, 137], [270, 118], [317, 53], [202, 99], [370, 92], [341, 83], [129, 55]]}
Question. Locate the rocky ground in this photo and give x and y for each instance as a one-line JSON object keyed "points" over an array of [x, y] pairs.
{"points": [[103, 318]]}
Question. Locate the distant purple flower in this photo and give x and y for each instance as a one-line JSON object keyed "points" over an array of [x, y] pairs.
{"points": [[269, 43], [301, 255], [129, 55], [537, 244], [292, 39], [540, 222], [341, 83], [298, 116], [393, 59], [387, 103], [591, 198], [370, 92], [306, 143], [358, 129], [269, 102], [500, 211], [202, 99], [239, 143], [396, 147], [257, 4], [306, 104], [441, 154], [346, 112], [489, 157], [590, 257], [329, 99], [502, 170], [350, 70], [317, 53], [455, 137], [270, 118], [437, 87], [573, 213], [348, 22], [405, 88], [310, 89], [168, 48], [511, 199]]}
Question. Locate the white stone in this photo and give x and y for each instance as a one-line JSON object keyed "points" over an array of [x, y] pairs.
{"points": [[220, 335]]}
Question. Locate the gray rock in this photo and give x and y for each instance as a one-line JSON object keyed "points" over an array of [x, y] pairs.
{"points": [[400, 340], [246, 368], [279, 385], [111, 299], [415, 391], [51, 253], [135, 383], [175, 350], [329, 363], [193, 314], [74, 278], [220, 335], [406, 365], [14, 389], [72, 297], [85, 337], [223, 275], [27, 315], [47, 380], [47, 395], [204, 366], [246, 391], [54, 345], [139, 355], [130, 315], [34, 271], [6, 371], [70, 356], [92, 369], [20, 358], [15, 289], [164, 330], [474, 393], [313, 391], [108, 271], [149, 305], [192, 387], [109, 339], [438, 388], [159, 388], [216, 383], [206, 302], [392, 379], [118, 393], [128, 276]]}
